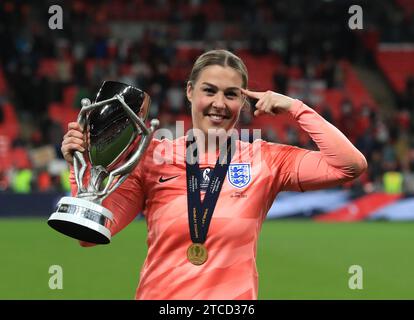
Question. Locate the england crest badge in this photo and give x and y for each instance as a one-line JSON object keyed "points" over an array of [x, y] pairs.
{"points": [[239, 174]]}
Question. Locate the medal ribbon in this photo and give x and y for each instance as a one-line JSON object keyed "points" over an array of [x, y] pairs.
{"points": [[200, 214]]}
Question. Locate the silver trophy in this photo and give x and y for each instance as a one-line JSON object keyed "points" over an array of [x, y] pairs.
{"points": [[118, 138]]}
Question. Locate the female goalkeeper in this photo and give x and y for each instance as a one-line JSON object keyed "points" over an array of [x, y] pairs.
{"points": [[204, 213]]}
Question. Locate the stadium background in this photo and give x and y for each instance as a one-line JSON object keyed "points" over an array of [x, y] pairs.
{"points": [[362, 81]]}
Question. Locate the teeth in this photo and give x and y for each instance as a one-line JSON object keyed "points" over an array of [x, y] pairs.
{"points": [[216, 117]]}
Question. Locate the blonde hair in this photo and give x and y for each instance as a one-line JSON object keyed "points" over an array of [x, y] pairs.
{"points": [[222, 58]]}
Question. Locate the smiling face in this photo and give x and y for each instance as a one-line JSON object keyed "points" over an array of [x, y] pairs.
{"points": [[215, 98]]}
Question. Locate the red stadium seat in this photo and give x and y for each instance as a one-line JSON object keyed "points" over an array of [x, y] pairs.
{"points": [[47, 68], [5, 153], [407, 5], [21, 158], [179, 73], [355, 88], [70, 115], [55, 111], [10, 125], [62, 115], [44, 181], [261, 69], [334, 98], [3, 85], [69, 95], [185, 53], [397, 65]]}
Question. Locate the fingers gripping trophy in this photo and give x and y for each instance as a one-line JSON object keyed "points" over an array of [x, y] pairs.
{"points": [[117, 140]]}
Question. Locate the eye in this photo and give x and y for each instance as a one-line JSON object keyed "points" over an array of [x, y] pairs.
{"points": [[209, 91], [231, 94]]}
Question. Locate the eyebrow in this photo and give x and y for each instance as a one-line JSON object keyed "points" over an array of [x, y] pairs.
{"points": [[215, 87]]}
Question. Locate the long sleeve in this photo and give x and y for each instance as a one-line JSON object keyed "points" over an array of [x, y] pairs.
{"points": [[124, 203], [336, 162]]}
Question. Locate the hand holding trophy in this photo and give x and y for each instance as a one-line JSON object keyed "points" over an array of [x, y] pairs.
{"points": [[118, 138]]}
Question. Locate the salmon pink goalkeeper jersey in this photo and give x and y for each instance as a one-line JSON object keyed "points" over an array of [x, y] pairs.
{"points": [[258, 171]]}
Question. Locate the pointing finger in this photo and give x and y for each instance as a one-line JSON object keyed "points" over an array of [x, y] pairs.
{"points": [[252, 94], [258, 112]]}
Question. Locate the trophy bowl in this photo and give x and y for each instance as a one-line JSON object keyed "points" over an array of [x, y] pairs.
{"points": [[117, 139]]}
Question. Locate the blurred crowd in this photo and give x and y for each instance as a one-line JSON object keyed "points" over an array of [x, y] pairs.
{"points": [[141, 43]]}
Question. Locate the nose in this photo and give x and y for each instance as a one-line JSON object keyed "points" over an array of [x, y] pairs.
{"points": [[219, 101]]}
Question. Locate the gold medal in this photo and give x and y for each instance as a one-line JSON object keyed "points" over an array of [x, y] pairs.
{"points": [[197, 254]]}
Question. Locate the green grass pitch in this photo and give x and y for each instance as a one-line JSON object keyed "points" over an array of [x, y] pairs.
{"points": [[296, 260]]}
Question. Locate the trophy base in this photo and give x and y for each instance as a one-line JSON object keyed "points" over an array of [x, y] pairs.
{"points": [[82, 220]]}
